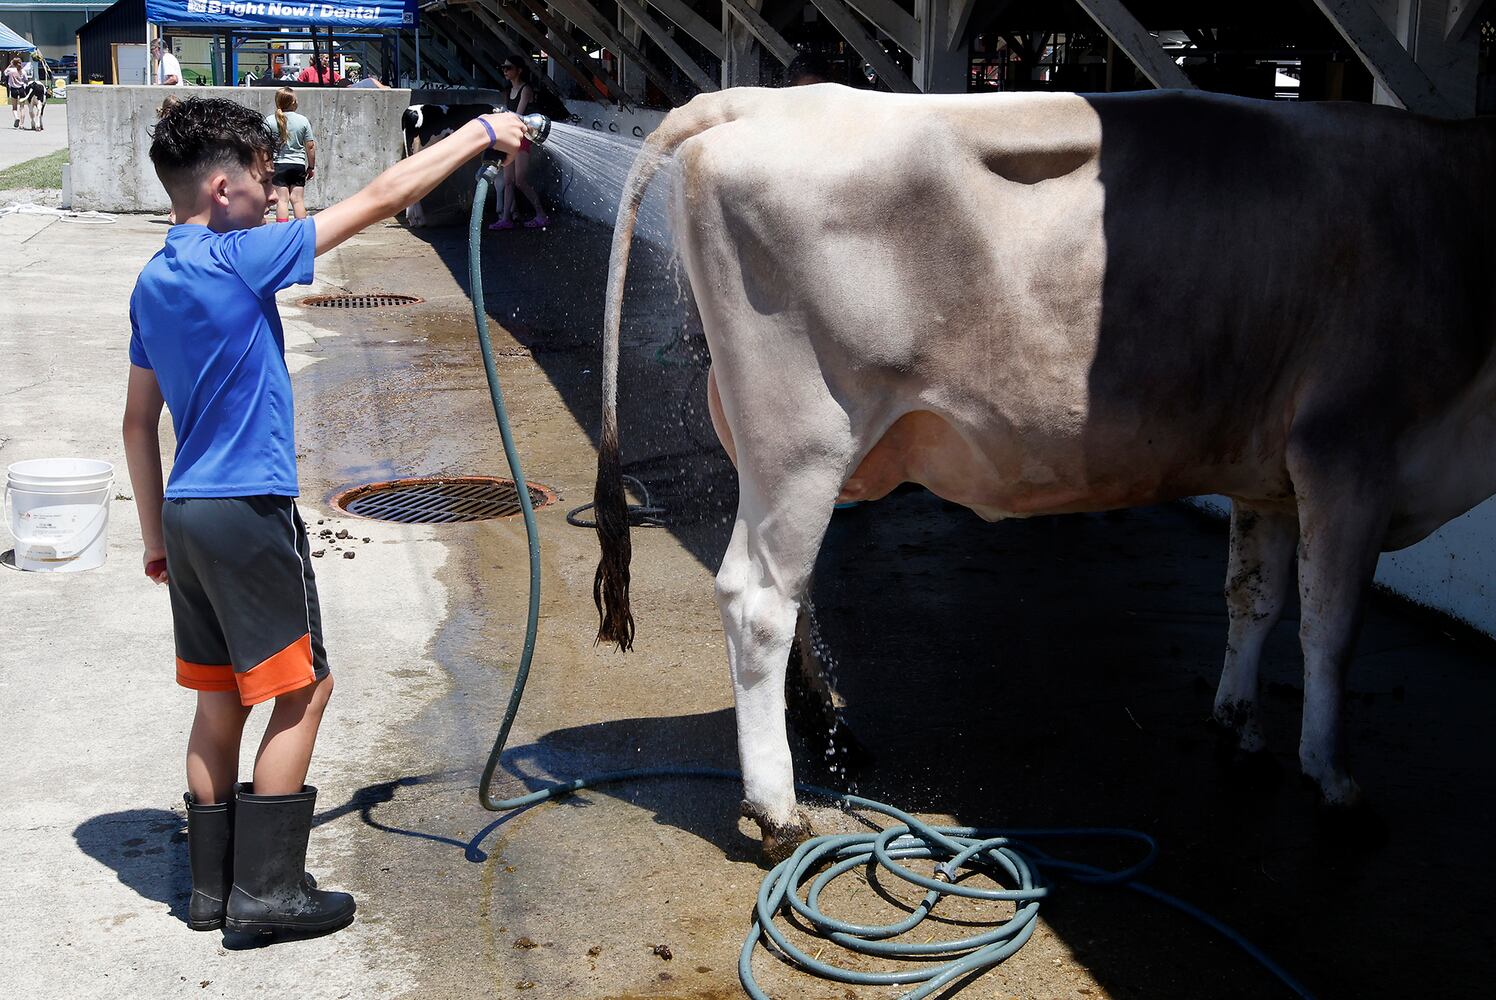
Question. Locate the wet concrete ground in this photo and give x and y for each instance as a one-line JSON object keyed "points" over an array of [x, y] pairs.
{"points": [[1054, 671]]}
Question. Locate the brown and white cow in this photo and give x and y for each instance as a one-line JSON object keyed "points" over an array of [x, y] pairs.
{"points": [[1038, 304]]}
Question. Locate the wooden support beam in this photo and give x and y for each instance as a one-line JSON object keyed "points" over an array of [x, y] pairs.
{"points": [[891, 19], [763, 31], [1462, 17], [588, 74], [1129, 35], [692, 24], [458, 39], [517, 48], [480, 41], [454, 72], [657, 34], [1381, 52], [594, 25], [960, 18], [846, 24]]}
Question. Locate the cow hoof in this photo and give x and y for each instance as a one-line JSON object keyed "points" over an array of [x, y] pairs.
{"points": [[779, 840], [1336, 791], [1238, 721]]}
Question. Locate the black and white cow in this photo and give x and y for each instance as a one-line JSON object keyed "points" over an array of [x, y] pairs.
{"points": [[423, 124], [33, 105]]}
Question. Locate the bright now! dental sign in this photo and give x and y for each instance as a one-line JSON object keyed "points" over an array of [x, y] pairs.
{"points": [[265, 13]]}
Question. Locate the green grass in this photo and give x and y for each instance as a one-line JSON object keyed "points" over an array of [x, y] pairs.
{"points": [[43, 172]]}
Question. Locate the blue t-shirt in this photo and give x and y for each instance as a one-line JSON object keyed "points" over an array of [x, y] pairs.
{"points": [[203, 316]]}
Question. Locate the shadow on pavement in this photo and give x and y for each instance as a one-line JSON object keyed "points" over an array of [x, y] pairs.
{"points": [[147, 849]]}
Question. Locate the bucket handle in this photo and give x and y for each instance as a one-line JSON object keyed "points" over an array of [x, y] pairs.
{"points": [[61, 548]]}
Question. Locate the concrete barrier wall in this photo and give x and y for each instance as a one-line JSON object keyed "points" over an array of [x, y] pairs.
{"points": [[358, 135]]}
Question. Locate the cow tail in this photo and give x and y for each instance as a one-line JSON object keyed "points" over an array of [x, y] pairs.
{"points": [[610, 587]]}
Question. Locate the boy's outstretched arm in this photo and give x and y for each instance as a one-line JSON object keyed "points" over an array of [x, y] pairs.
{"points": [[142, 435], [415, 177]]}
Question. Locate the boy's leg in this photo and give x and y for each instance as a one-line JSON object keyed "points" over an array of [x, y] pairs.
{"points": [[286, 751], [213, 746]]}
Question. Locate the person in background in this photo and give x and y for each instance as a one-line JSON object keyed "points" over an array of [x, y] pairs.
{"points": [[320, 71], [521, 94], [165, 69], [295, 155], [15, 85], [370, 82]]}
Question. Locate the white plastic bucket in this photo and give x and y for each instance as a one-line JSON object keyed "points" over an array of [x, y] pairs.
{"points": [[57, 510]]}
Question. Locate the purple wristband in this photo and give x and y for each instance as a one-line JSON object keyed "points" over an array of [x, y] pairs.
{"points": [[492, 136]]}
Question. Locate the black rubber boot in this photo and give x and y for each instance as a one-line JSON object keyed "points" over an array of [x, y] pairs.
{"points": [[210, 852], [271, 891]]}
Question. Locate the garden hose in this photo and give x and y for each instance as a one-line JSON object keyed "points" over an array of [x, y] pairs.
{"points": [[1008, 857]]}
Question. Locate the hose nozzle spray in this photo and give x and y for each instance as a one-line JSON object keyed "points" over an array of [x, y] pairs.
{"points": [[537, 128], [537, 131]]}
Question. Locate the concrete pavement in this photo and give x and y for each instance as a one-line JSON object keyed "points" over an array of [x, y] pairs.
{"points": [[20, 145]]}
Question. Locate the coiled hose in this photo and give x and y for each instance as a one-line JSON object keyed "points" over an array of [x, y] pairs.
{"points": [[1008, 857]]}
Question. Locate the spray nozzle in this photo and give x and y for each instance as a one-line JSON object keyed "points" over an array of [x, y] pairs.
{"points": [[537, 128]]}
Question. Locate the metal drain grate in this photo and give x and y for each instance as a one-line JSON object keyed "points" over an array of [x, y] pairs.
{"points": [[439, 501], [375, 300]]}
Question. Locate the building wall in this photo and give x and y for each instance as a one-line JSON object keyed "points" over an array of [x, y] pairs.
{"points": [[52, 31], [358, 136]]}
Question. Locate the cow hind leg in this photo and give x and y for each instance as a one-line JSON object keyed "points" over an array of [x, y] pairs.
{"points": [[1258, 576], [1343, 518], [763, 577]]}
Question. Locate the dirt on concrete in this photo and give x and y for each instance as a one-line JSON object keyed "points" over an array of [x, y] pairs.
{"points": [[1057, 671]]}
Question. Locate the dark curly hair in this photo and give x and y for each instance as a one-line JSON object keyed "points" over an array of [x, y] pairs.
{"points": [[202, 134]]}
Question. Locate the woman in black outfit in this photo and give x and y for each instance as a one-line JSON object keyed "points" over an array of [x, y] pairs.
{"points": [[521, 94]]}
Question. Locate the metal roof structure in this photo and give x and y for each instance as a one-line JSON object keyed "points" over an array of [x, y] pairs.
{"points": [[1423, 56]]}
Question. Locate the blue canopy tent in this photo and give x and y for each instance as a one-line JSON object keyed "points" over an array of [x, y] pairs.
{"points": [[12, 42], [250, 18]]}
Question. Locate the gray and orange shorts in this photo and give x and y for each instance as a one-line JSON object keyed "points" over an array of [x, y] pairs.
{"points": [[243, 600]]}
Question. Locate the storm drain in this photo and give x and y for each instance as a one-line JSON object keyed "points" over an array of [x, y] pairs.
{"points": [[375, 300], [440, 501]]}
